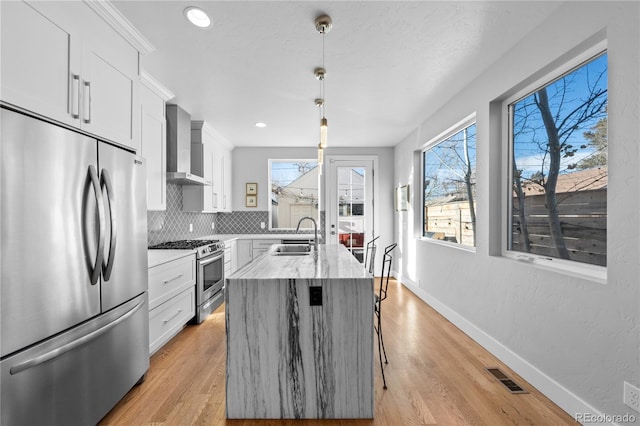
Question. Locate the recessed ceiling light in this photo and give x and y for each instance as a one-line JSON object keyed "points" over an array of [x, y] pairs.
{"points": [[261, 125], [197, 17]]}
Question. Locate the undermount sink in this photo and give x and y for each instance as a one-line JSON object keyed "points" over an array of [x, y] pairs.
{"points": [[291, 250]]}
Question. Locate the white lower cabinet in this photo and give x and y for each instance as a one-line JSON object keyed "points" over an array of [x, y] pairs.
{"points": [[171, 299], [244, 252]]}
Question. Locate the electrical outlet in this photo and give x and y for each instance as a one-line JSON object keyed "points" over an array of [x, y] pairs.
{"points": [[262, 225], [632, 396], [213, 225]]}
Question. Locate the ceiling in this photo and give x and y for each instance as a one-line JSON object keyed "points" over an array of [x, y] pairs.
{"points": [[389, 63]]}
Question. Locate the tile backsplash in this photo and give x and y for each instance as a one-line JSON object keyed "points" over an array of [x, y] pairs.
{"points": [[173, 223]]}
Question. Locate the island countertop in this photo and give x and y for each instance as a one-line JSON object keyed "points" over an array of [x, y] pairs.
{"points": [[330, 261]]}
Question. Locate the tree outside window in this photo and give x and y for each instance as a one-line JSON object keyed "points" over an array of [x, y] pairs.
{"points": [[559, 167], [449, 184]]}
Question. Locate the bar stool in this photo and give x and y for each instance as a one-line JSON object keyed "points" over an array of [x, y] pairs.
{"points": [[382, 294], [371, 251]]}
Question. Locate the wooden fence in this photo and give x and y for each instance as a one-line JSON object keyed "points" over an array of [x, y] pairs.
{"points": [[450, 222], [583, 219]]}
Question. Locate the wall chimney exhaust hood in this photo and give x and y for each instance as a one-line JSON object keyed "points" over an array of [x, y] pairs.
{"points": [[179, 148]]}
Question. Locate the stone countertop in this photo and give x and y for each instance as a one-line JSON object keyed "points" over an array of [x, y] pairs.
{"points": [[158, 257], [329, 262], [227, 237]]}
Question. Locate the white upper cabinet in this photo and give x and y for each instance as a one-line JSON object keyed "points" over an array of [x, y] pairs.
{"points": [[37, 63], [153, 139], [211, 159], [63, 61], [222, 155]]}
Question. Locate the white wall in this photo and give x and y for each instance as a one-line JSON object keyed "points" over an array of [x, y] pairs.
{"points": [[575, 339], [251, 164]]}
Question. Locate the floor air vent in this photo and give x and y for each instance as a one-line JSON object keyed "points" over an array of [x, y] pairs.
{"points": [[512, 386]]}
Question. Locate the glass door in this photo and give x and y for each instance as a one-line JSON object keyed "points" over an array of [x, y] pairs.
{"points": [[350, 204]]}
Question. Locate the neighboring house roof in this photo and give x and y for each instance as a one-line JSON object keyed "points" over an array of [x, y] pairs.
{"points": [[582, 180]]}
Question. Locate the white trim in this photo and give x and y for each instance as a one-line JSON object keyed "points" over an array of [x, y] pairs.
{"points": [[553, 390], [376, 185], [155, 86], [452, 130], [215, 134], [112, 16], [269, 185], [573, 268], [466, 122]]}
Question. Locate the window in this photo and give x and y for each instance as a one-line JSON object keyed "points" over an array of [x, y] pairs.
{"points": [[449, 185], [558, 167], [294, 193]]}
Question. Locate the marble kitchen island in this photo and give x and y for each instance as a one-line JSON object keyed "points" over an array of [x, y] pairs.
{"points": [[289, 359]]}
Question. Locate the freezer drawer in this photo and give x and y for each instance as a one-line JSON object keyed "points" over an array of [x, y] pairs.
{"points": [[75, 378]]}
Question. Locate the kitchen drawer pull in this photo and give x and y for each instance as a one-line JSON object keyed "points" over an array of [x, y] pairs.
{"points": [[172, 279], [172, 317]]}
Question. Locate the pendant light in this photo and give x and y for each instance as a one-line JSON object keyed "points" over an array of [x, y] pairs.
{"points": [[323, 26]]}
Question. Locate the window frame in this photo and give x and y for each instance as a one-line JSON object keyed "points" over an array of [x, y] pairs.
{"points": [[306, 226], [441, 137], [572, 268]]}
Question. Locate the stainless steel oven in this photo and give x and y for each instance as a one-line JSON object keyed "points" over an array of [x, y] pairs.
{"points": [[209, 283], [209, 272]]}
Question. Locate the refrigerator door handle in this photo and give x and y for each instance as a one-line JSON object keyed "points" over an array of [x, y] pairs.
{"points": [[107, 266], [95, 274], [55, 353]]}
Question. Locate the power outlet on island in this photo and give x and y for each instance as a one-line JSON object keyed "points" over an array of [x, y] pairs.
{"points": [[632, 396], [315, 295]]}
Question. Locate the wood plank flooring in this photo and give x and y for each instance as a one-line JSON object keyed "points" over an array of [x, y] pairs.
{"points": [[436, 376]]}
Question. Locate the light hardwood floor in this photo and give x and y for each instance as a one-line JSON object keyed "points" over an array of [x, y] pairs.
{"points": [[436, 376]]}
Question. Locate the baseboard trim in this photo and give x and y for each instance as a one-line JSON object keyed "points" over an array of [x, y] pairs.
{"points": [[553, 390]]}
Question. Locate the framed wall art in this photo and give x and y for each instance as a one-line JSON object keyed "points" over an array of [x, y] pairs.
{"points": [[252, 188], [251, 201]]}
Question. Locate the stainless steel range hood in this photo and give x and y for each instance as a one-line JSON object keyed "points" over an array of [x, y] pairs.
{"points": [[179, 148]]}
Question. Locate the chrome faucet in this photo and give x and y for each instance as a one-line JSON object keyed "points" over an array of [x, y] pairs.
{"points": [[315, 230]]}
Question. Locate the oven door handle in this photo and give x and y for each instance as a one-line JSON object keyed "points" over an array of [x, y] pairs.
{"points": [[210, 259]]}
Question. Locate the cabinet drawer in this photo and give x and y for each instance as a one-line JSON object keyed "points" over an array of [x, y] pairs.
{"points": [[167, 320], [168, 279]]}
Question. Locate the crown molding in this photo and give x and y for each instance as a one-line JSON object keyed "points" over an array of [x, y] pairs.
{"points": [[217, 136], [107, 11], [156, 86]]}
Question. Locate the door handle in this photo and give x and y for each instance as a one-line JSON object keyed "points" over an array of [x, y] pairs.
{"points": [[95, 182], [107, 266], [75, 96], [33, 362], [87, 102]]}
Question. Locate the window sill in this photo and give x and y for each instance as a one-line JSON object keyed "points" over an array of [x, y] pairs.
{"points": [[447, 244], [594, 273]]}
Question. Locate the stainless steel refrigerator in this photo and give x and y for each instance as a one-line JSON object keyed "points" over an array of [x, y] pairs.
{"points": [[74, 319]]}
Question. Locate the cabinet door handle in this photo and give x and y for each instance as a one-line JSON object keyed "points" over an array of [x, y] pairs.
{"points": [[224, 201], [172, 316], [75, 96], [172, 279], [87, 102]]}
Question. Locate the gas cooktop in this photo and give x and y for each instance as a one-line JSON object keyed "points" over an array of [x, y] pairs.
{"points": [[184, 244], [202, 248]]}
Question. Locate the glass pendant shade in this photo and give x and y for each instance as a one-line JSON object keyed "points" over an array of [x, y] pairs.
{"points": [[323, 132]]}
